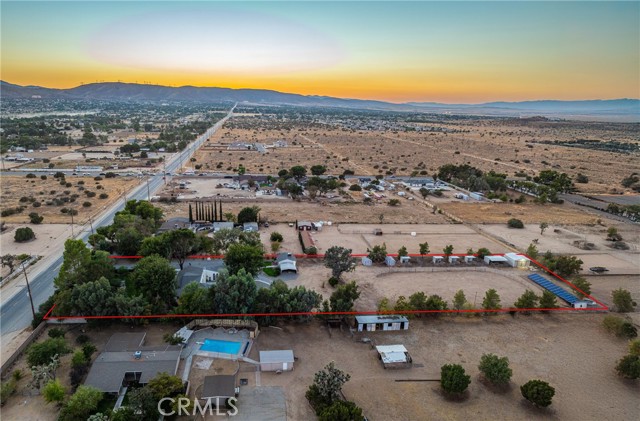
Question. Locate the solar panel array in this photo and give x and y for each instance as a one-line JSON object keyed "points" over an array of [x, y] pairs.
{"points": [[548, 285]]}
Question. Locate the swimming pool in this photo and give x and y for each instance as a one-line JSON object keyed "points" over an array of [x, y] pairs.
{"points": [[225, 347]]}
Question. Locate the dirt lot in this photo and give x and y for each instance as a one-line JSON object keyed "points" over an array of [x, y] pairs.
{"points": [[15, 188], [275, 210], [571, 352], [496, 213], [503, 145]]}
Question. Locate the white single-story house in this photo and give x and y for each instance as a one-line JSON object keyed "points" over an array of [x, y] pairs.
{"points": [[276, 360], [286, 262], [517, 260], [381, 322]]}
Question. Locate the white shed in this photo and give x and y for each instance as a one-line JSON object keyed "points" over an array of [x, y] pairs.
{"points": [[495, 259], [276, 360], [517, 260], [437, 259], [390, 261], [454, 259], [405, 259], [469, 259], [382, 322], [366, 261]]}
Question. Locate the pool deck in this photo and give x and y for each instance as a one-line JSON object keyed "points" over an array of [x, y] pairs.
{"points": [[197, 339]]}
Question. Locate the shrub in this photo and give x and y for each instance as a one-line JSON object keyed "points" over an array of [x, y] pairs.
{"points": [[629, 367], [41, 353], [88, 350], [276, 236], [56, 332], [35, 218], [31, 175], [86, 204], [333, 281], [634, 347], [68, 184], [110, 175], [78, 359], [394, 202], [355, 187], [619, 327], [341, 411], [53, 391], [98, 178], [453, 379], [36, 204], [495, 369], [82, 339], [515, 223], [8, 388], [24, 234], [538, 392], [623, 301], [17, 375]]}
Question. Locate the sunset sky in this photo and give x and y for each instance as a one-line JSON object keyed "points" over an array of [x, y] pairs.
{"points": [[415, 51]]}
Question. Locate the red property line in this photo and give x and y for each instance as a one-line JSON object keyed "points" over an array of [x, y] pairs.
{"points": [[602, 307]]}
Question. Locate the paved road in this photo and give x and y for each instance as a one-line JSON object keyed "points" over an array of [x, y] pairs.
{"points": [[15, 314]]}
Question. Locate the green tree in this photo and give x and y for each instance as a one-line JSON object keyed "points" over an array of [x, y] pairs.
{"points": [[532, 251], [24, 234], [234, 293], [248, 214], [448, 251], [567, 266], [93, 298], [41, 353], [583, 285], [298, 172], [623, 301], [495, 369], [244, 256], [424, 192], [134, 305], [482, 252], [339, 260], [424, 248], [318, 169], [528, 299], [193, 300], [182, 243], [329, 382], [81, 404], [613, 235], [54, 392], [538, 392], [459, 300], [634, 347], [276, 236], [453, 379], [403, 252], [548, 300], [543, 227], [155, 279], [155, 245], [143, 404], [378, 253], [8, 260], [341, 411], [417, 301], [491, 300], [344, 296], [629, 367], [35, 218], [515, 223], [435, 302], [164, 385]]}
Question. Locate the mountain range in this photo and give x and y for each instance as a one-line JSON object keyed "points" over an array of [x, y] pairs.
{"points": [[622, 110]]}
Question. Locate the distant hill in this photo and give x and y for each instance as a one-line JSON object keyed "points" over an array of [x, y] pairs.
{"points": [[613, 110]]}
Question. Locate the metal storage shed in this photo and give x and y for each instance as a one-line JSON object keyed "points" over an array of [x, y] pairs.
{"points": [[276, 360]]}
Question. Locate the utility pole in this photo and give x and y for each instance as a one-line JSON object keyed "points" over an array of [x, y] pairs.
{"points": [[33, 311], [91, 224]]}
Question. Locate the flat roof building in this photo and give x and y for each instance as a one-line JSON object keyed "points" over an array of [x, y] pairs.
{"points": [[381, 322], [281, 360]]}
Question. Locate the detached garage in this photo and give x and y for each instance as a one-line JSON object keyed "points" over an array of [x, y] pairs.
{"points": [[276, 360]]}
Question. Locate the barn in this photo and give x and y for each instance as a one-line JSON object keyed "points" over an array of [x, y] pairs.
{"points": [[281, 360]]}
